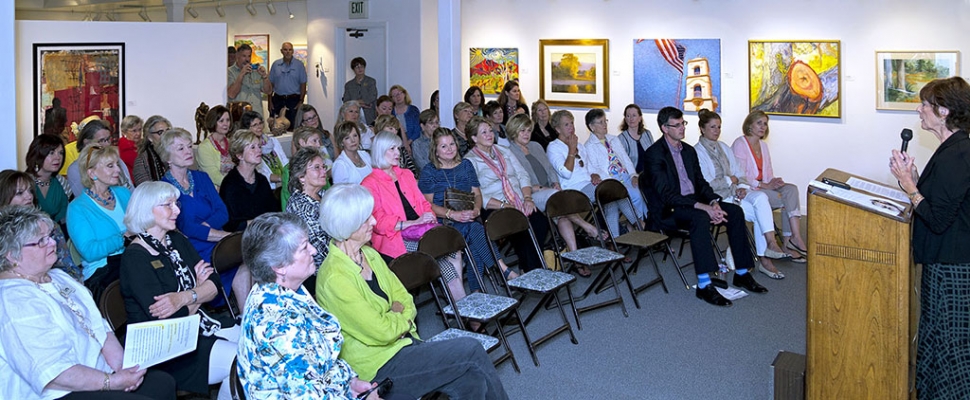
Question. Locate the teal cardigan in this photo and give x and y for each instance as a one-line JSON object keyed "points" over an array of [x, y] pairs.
{"points": [[94, 234], [372, 333]]}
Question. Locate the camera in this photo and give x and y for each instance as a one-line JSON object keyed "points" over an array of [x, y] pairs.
{"points": [[255, 67]]}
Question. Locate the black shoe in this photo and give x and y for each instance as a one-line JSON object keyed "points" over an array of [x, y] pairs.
{"points": [[747, 281], [721, 283], [710, 295]]}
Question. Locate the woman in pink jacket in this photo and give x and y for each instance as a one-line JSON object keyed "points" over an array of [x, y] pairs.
{"points": [[752, 153]]}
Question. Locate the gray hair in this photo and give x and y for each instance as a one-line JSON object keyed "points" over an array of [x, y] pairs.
{"points": [[271, 241], [161, 147], [383, 142], [18, 224], [240, 139], [344, 209], [139, 216], [147, 127], [298, 165]]}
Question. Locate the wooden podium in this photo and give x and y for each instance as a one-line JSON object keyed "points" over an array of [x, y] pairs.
{"points": [[862, 310]]}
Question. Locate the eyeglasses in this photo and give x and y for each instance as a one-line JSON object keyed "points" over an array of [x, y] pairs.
{"points": [[158, 132], [678, 126], [44, 241], [311, 117], [580, 159]]}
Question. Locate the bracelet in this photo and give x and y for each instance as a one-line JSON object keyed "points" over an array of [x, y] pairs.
{"points": [[448, 214], [106, 385], [195, 296], [917, 199]]}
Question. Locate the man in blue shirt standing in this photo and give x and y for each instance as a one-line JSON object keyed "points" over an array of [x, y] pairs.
{"points": [[289, 83]]}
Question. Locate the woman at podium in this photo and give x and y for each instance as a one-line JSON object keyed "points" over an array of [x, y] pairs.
{"points": [[941, 227]]}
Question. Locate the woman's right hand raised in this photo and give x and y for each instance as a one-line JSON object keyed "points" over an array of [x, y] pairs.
{"points": [[128, 379]]}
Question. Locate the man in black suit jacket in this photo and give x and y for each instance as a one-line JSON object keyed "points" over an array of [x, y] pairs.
{"points": [[678, 196]]}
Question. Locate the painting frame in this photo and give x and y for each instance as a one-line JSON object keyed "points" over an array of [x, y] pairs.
{"points": [[598, 49], [257, 41], [301, 52], [687, 71], [951, 58], [490, 68], [817, 70], [97, 58]]}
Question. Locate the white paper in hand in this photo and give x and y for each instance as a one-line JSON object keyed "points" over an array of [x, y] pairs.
{"points": [[153, 342]]}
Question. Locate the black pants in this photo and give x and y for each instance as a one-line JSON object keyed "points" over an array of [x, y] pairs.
{"points": [[290, 102], [529, 259], [103, 277], [698, 223], [156, 386]]}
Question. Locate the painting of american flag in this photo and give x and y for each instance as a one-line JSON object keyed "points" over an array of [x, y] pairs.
{"points": [[660, 70]]}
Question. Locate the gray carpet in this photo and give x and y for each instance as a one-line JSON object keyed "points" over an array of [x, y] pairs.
{"points": [[675, 347]]}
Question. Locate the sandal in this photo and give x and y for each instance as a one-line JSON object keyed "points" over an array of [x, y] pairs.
{"points": [[792, 246], [583, 271], [508, 274], [800, 259]]}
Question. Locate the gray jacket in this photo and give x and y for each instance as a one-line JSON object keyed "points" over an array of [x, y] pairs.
{"points": [[535, 149]]}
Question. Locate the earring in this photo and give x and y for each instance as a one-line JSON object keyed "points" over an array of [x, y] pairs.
{"points": [[95, 179]]}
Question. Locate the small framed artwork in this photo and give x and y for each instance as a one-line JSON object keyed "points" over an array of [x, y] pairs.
{"points": [[900, 75], [490, 68], [799, 78], [301, 53], [575, 72], [73, 81], [260, 45]]}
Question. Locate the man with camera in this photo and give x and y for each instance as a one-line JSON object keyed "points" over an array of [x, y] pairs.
{"points": [[248, 81]]}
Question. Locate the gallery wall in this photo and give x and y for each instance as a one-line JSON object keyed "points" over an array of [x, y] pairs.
{"points": [[162, 76], [8, 92], [859, 142]]}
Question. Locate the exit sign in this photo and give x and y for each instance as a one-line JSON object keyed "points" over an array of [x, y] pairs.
{"points": [[358, 9]]}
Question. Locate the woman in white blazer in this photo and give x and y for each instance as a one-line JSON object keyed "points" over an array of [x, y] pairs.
{"points": [[608, 160], [752, 153]]}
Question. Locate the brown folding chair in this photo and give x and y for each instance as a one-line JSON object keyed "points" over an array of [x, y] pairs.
{"points": [[416, 270], [112, 307], [480, 306], [611, 190], [225, 256], [569, 202], [507, 222]]}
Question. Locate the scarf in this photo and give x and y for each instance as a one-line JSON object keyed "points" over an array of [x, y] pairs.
{"points": [[499, 171], [184, 276], [722, 168], [615, 169]]}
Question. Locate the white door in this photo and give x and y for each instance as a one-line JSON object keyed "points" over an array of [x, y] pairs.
{"points": [[372, 46]]}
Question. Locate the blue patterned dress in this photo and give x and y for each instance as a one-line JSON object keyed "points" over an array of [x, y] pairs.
{"points": [[289, 347]]}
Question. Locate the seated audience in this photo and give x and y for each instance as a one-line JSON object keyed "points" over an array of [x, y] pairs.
{"points": [[95, 219], [162, 276], [724, 174], [17, 189], [303, 137], [71, 150], [510, 98], [448, 170], [307, 116], [752, 152], [421, 147], [297, 357], [679, 197], [377, 313], [245, 191], [462, 113], [94, 134], [214, 158], [44, 158], [505, 183], [385, 106], [131, 131], [386, 123], [405, 112], [495, 115], [55, 344], [635, 137], [608, 160], [475, 98], [350, 111], [271, 151], [542, 133], [309, 177], [148, 166], [203, 214], [353, 163]]}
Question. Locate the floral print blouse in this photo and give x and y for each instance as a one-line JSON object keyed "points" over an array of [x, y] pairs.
{"points": [[290, 346]]}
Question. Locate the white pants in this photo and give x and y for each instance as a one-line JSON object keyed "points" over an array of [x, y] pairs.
{"points": [[757, 210], [220, 359]]}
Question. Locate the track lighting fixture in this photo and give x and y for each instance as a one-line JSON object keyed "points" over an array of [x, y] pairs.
{"points": [[271, 8], [193, 13], [221, 11], [288, 10], [251, 8], [144, 15]]}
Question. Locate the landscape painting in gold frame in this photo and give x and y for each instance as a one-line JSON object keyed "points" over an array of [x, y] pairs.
{"points": [[575, 72]]}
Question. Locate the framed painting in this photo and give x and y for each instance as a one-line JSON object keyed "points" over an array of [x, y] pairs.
{"points": [[73, 81], [683, 73], [800, 78], [575, 72], [300, 52], [260, 45], [901, 74], [489, 68]]}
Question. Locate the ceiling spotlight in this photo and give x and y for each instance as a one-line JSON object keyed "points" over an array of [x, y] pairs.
{"points": [[251, 8], [288, 10], [193, 13], [144, 15], [271, 8], [221, 11]]}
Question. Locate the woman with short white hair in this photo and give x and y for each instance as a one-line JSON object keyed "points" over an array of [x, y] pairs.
{"points": [[162, 276]]}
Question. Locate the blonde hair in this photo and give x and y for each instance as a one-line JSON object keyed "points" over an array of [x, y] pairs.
{"points": [[90, 157], [407, 97], [240, 139]]}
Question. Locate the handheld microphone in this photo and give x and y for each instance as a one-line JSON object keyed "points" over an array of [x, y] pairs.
{"points": [[906, 135]]}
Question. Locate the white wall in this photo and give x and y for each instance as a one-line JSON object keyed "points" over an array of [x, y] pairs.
{"points": [[406, 50], [163, 75], [8, 93], [859, 142]]}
